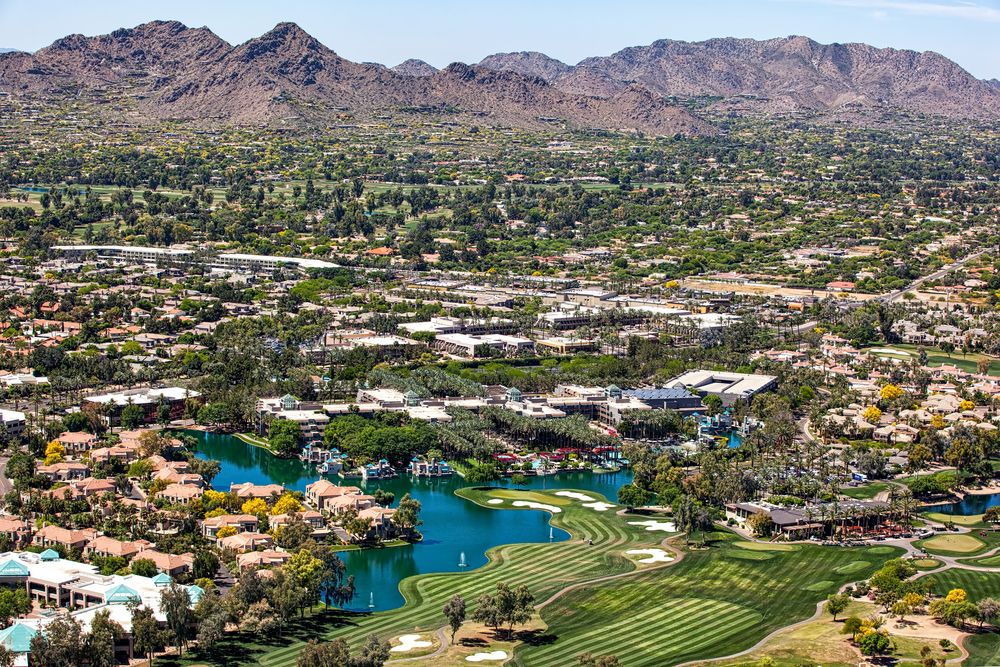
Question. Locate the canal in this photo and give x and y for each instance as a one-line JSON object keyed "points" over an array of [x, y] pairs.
{"points": [[452, 526]]}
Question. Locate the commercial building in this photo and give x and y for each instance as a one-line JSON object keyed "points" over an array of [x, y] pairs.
{"points": [[109, 407], [182, 256], [730, 387]]}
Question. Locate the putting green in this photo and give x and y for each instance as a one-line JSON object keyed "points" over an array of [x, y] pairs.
{"points": [[926, 563], [819, 586], [765, 546], [960, 544], [513, 494], [853, 566]]}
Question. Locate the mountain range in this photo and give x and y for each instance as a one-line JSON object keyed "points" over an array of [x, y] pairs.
{"points": [[170, 71], [285, 75], [789, 74]]}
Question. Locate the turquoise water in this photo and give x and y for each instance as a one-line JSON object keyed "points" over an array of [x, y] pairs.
{"points": [[452, 526], [971, 504]]}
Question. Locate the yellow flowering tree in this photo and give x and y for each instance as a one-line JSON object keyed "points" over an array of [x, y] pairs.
{"points": [[225, 531], [937, 422], [54, 452], [286, 504], [890, 392], [254, 506], [872, 414], [966, 405]]}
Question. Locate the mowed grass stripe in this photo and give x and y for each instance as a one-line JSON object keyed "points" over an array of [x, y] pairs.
{"points": [[532, 564]]}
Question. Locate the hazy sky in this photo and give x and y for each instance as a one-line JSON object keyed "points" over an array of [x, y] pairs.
{"points": [[444, 31]]}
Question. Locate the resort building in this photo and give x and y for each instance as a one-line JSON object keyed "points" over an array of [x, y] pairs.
{"points": [[66, 584], [730, 387], [108, 407]]}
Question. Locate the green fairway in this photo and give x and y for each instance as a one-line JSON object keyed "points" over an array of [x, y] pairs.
{"points": [[712, 602], [765, 546], [960, 519], [853, 566], [708, 604]]}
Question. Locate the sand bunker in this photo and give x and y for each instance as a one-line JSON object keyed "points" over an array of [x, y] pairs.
{"points": [[495, 501], [574, 495], [492, 655], [655, 555], [410, 642], [652, 524], [599, 506], [536, 506]]}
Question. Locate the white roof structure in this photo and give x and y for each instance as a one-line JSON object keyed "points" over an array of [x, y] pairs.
{"points": [[144, 396], [731, 384]]}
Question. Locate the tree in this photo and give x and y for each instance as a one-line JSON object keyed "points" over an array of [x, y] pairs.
{"points": [[483, 473], [987, 610], [407, 516], [225, 531], [890, 392], [335, 584], [255, 506], [54, 452], [514, 606], [519, 479], [132, 417], [147, 638], [14, 602], [284, 437], [324, 654], [104, 634], [143, 567], [206, 564], [454, 611], [835, 604], [632, 496], [305, 570], [175, 603], [872, 414], [60, 644], [590, 660], [761, 525], [286, 504], [992, 516], [874, 642], [212, 618], [374, 653]]}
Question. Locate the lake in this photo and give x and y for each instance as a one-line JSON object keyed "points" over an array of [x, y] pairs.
{"points": [[970, 504], [452, 525]]}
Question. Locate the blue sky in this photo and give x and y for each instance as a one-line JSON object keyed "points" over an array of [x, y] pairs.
{"points": [[444, 31]]}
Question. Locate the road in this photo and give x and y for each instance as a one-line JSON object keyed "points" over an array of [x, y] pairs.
{"points": [[5, 483], [940, 273], [890, 297]]}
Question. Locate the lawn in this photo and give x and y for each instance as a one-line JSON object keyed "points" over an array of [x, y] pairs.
{"points": [[960, 519], [937, 357], [710, 603], [821, 642], [866, 492], [952, 544]]}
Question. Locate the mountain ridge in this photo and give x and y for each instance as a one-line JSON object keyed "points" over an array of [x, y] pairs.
{"points": [[791, 73], [286, 75]]}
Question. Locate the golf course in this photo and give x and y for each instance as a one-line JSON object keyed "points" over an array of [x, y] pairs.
{"points": [[664, 603]]}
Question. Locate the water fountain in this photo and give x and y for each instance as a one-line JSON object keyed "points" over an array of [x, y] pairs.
{"points": [[371, 600], [551, 536], [461, 560]]}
